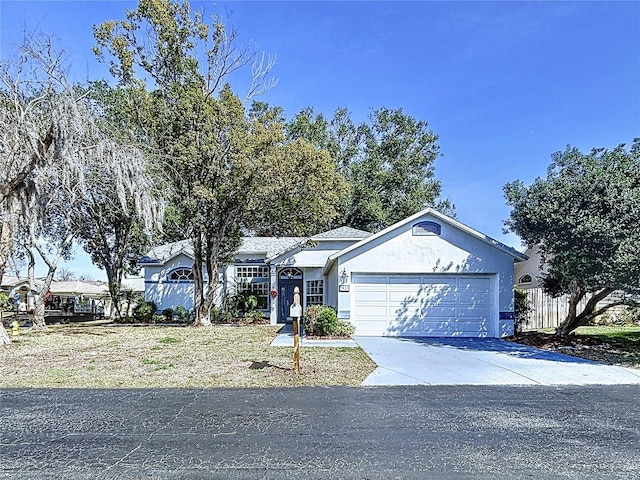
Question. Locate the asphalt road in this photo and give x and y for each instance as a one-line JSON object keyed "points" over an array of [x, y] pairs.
{"points": [[454, 432]]}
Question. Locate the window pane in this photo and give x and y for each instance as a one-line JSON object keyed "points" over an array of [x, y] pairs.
{"points": [[315, 290]]}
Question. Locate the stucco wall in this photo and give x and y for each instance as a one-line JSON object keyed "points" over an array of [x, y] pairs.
{"points": [[453, 252], [529, 267], [165, 293]]}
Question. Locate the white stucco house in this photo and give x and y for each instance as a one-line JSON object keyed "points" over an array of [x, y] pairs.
{"points": [[528, 273], [428, 275]]}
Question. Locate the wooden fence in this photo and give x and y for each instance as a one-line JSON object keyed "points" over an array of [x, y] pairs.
{"points": [[547, 311]]}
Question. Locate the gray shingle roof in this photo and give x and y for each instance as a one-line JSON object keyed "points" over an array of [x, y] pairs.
{"points": [[267, 246], [342, 233]]}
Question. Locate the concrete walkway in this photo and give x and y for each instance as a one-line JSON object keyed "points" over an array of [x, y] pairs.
{"points": [[474, 361]]}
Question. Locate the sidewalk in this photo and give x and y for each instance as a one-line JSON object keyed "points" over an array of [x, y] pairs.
{"points": [[285, 339]]}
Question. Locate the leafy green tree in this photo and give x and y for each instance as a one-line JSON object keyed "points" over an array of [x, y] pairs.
{"points": [[388, 163], [585, 217], [115, 226], [227, 167]]}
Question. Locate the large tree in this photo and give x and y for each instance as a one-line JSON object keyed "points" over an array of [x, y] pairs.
{"points": [[115, 225], [55, 155], [225, 164], [388, 163], [585, 218]]}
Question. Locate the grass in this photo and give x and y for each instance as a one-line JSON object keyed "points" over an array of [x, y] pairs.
{"points": [[74, 356]]}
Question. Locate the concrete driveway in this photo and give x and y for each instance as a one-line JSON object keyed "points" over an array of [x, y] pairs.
{"points": [[475, 361]]}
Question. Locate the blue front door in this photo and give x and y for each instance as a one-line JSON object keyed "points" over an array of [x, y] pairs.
{"points": [[288, 280]]}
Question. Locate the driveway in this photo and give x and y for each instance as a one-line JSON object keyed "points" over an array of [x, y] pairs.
{"points": [[475, 361]]}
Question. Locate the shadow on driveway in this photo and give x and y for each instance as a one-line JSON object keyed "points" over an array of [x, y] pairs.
{"points": [[496, 345]]}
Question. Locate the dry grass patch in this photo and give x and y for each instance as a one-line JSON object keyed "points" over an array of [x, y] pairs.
{"points": [[142, 357]]}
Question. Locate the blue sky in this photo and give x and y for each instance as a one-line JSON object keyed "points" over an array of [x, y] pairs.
{"points": [[503, 84]]}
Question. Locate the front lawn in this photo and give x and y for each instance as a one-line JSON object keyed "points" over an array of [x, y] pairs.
{"points": [[152, 356], [615, 345]]}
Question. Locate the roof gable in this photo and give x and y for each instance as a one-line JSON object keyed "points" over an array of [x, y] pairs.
{"points": [[440, 217]]}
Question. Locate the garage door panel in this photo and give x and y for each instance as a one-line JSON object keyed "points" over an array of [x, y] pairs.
{"points": [[442, 328], [476, 312], [405, 312], [439, 311], [375, 311], [423, 305], [473, 327], [472, 299], [477, 283], [369, 279], [370, 296], [372, 328]]}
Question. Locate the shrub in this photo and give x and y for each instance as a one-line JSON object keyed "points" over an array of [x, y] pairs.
{"points": [[219, 315], [522, 308], [145, 312], [321, 320], [254, 316], [181, 314], [345, 329], [167, 313]]}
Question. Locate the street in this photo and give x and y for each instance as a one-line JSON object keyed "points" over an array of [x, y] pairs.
{"points": [[454, 432]]}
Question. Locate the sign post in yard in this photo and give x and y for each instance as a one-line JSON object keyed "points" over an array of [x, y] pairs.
{"points": [[295, 311]]}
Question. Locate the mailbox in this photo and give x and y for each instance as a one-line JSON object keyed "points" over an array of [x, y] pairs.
{"points": [[295, 311]]}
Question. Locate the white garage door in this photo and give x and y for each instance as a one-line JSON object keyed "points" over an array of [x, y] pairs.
{"points": [[422, 305]]}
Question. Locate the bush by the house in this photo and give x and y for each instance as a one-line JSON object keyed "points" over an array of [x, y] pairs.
{"points": [[181, 314], [254, 316], [145, 312], [522, 308], [167, 315], [321, 320], [221, 315]]}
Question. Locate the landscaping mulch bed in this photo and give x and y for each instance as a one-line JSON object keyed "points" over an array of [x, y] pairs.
{"points": [[591, 347]]}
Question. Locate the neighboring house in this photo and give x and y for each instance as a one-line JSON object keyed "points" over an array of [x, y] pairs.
{"points": [[428, 275], [63, 299], [527, 274]]}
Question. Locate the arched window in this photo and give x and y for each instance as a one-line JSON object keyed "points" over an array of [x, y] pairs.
{"points": [[426, 228], [291, 273], [525, 279], [181, 275]]}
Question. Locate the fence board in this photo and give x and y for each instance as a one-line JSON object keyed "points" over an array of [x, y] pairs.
{"points": [[547, 311]]}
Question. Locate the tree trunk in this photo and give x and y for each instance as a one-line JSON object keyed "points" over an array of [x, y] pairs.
{"points": [[6, 242], [569, 323], [5, 249], [4, 336], [575, 320], [114, 279], [38, 314]]}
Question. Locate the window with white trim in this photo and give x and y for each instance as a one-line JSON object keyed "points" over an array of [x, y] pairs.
{"points": [[181, 275], [252, 271], [426, 228], [525, 280], [259, 289], [315, 291], [254, 280]]}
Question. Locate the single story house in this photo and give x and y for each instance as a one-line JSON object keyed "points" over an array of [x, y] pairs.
{"points": [[427, 275], [64, 298]]}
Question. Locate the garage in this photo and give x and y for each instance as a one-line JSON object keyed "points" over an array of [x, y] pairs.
{"points": [[423, 305]]}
